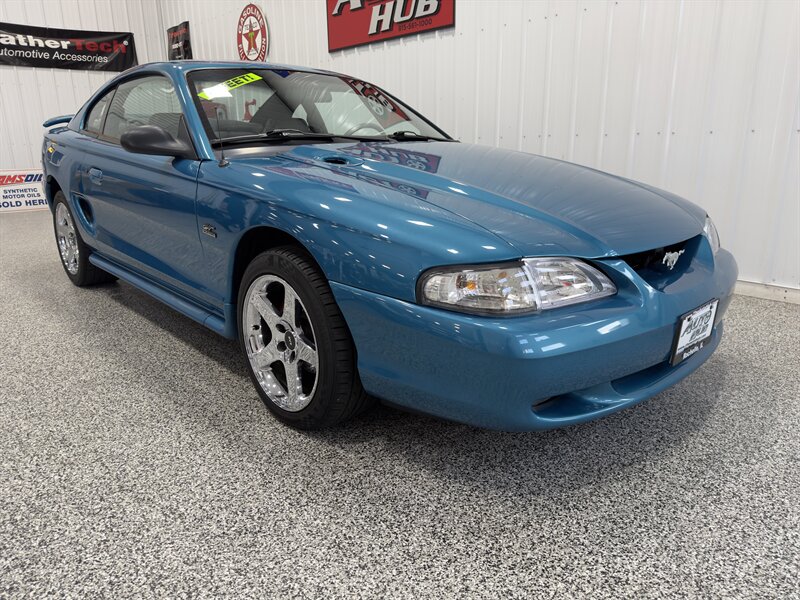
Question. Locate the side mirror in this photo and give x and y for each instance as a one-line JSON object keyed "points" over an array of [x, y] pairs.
{"points": [[152, 139]]}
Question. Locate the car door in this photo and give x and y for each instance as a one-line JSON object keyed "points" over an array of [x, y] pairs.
{"points": [[143, 206]]}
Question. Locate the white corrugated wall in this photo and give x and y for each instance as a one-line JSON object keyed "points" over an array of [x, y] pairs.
{"points": [[701, 98]]}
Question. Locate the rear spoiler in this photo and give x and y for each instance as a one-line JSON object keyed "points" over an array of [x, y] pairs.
{"points": [[56, 120]]}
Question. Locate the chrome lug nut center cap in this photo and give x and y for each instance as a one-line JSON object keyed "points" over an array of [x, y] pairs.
{"points": [[290, 341]]}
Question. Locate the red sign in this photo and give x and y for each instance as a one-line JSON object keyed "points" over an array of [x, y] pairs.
{"points": [[252, 34], [357, 22]]}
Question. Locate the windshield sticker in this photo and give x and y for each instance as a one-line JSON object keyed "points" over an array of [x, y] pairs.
{"points": [[386, 112], [222, 90]]}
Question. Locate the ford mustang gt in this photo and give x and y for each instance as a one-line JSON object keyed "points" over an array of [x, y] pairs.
{"points": [[357, 251]]}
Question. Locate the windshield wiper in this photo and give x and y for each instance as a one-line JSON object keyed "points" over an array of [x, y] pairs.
{"points": [[287, 135], [412, 135], [284, 135], [293, 133], [274, 135]]}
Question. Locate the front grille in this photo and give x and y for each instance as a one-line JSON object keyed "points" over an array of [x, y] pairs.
{"points": [[654, 268], [652, 259]]}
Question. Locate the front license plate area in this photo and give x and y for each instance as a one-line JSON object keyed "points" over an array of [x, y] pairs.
{"points": [[693, 330]]}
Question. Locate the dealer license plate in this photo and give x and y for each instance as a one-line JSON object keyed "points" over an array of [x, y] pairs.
{"points": [[694, 329]]}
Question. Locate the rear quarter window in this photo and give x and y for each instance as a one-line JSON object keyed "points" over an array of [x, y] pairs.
{"points": [[94, 120]]}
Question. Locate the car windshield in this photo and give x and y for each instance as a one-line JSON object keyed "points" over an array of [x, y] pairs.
{"points": [[239, 103]]}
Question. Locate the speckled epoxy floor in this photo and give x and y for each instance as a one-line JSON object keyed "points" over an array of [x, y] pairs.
{"points": [[137, 461]]}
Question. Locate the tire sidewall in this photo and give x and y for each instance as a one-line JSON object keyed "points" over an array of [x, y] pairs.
{"points": [[277, 263]]}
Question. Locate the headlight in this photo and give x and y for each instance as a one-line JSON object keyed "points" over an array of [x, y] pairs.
{"points": [[530, 285], [711, 233]]}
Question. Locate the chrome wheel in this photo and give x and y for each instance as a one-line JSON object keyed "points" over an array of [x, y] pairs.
{"points": [[67, 239], [280, 343]]}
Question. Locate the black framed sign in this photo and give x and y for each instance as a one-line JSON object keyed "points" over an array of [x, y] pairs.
{"points": [[30, 46], [179, 45]]}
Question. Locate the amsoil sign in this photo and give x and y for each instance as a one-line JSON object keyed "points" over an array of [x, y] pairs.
{"points": [[28, 46], [357, 22], [252, 34], [21, 190]]}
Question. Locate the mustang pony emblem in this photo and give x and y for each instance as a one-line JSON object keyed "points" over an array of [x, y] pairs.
{"points": [[670, 258]]}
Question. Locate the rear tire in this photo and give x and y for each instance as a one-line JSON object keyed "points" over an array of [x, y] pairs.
{"points": [[295, 341], [73, 251]]}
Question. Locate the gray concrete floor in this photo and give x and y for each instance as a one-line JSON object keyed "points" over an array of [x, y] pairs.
{"points": [[136, 460]]}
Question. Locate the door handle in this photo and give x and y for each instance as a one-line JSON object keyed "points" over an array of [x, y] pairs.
{"points": [[95, 175]]}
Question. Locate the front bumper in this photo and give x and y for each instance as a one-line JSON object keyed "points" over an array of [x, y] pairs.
{"points": [[551, 369]]}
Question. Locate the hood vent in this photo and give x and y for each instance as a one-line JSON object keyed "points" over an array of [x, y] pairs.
{"points": [[335, 160]]}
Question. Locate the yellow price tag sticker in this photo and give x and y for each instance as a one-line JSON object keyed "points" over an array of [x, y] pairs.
{"points": [[223, 89]]}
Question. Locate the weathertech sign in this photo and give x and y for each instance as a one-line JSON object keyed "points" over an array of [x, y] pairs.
{"points": [[27, 46], [252, 34], [357, 22]]}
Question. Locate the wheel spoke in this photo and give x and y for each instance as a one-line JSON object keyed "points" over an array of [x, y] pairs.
{"points": [[306, 353], [263, 358], [289, 303], [265, 309], [293, 384]]}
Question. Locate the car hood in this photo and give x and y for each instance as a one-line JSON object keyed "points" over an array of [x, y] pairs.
{"points": [[538, 205]]}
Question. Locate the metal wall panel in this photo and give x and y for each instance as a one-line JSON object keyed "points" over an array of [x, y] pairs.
{"points": [[701, 98]]}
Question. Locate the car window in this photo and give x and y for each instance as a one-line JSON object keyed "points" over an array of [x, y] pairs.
{"points": [[240, 102], [94, 120], [148, 100]]}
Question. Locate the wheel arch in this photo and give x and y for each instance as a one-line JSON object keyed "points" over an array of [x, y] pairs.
{"points": [[253, 242], [51, 188]]}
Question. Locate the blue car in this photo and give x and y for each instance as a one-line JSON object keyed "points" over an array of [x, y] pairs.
{"points": [[357, 251]]}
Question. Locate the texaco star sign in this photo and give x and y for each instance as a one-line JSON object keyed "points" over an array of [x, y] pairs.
{"points": [[252, 34]]}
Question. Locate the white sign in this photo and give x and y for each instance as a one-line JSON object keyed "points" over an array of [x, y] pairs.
{"points": [[21, 190]]}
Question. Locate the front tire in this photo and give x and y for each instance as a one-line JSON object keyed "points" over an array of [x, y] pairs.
{"points": [[297, 346], [73, 251]]}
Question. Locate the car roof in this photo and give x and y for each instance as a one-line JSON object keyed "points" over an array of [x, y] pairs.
{"points": [[193, 65]]}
